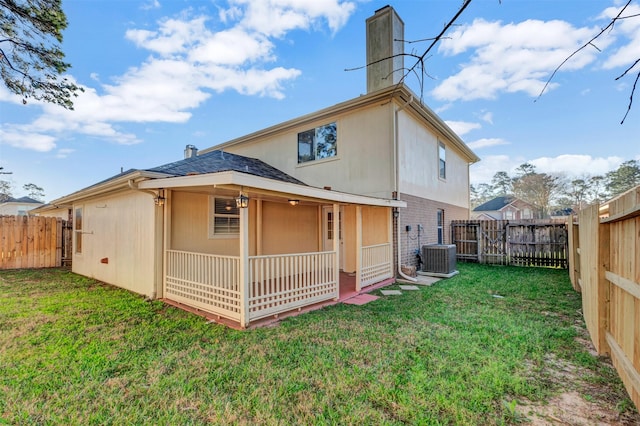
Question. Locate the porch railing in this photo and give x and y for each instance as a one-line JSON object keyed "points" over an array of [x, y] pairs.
{"points": [[277, 283], [205, 281], [376, 264], [281, 283]]}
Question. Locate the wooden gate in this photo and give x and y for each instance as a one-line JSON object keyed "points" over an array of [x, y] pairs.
{"points": [[31, 242], [503, 242]]}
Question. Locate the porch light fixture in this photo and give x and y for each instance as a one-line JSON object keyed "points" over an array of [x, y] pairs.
{"points": [[159, 200], [294, 202], [396, 212], [242, 201]]}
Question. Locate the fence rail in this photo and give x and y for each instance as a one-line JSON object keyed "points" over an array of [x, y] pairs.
{"points": [[31, 242], [607, 271], [504, 242]]}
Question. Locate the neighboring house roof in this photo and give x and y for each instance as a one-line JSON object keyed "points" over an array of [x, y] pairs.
{"points": [[495, 204], [219, 161], [22, 200]]}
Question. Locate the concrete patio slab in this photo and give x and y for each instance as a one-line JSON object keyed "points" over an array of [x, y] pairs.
{"points": [[391, 292], [409, 287]]}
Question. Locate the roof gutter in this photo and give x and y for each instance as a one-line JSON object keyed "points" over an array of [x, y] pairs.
{"points": [[109, 185]]}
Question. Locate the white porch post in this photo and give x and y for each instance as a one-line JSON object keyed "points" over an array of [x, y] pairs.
{"points": [[166, 239], [336, 247], [244, 267], [358, 248]]}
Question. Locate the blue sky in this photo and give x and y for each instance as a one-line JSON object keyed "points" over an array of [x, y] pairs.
{"points": [[160, 74]]}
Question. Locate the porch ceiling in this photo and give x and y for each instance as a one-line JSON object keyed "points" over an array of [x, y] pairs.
{"points": [[251, 183]]}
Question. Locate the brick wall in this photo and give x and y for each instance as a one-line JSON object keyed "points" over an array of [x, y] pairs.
{"points": [[424, 212]]}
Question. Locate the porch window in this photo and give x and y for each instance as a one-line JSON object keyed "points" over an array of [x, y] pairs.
{"points": [[224, 218], [318, 143], [77, 228], [442, 161]]}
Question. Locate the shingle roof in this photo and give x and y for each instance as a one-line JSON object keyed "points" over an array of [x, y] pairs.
{"points": [[219, 161], [25, 200], [495, 204]]}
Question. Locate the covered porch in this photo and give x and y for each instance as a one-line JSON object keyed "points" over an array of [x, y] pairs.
{"points": [[281, 247]]}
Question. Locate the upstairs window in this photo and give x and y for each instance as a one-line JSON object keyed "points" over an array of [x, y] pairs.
{"points": [[224, 218], [318, 143], [442, 161]]}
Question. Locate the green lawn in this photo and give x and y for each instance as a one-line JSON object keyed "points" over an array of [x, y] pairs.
{"points": [[75, 351]]}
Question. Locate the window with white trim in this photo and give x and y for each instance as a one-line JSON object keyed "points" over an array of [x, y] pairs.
{"points": [[224, 218], [442, 161], [318, 143], [77, 228]]}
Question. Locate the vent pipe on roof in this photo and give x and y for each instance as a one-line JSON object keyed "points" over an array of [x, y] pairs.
{"points": [[190, 151]]}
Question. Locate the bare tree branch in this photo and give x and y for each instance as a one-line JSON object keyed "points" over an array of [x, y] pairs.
{"points": [[610, 26]]}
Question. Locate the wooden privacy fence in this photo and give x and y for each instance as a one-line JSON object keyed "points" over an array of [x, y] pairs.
{"points": [[504, 242], [606, 249], [33, 242]]}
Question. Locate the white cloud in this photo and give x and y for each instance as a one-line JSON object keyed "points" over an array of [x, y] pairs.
{"points": [[462, 127], [514, 57], [487, 117], [64, 152], [628, 53], [276, 17], [571, 165], [188, 61], [19, 136], [486, 142], [576, 165]]}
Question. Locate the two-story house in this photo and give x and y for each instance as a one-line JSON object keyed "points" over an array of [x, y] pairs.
{"points": [[279, 219], [18, 206]]}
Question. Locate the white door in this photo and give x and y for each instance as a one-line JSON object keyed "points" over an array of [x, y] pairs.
{"points": [[327, 232]]}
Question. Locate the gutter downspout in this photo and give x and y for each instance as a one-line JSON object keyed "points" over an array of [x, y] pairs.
{"points": [[134, 186], [396, 172]]}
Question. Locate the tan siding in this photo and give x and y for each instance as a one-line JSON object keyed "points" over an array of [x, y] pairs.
{"points": [[189, 216], [289, 229], [119, 229], [418, 155], [364, 164], [375, 225]]}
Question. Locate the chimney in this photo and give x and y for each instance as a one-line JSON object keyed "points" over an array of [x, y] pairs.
{"points": [[190, 151], [385, 30]]}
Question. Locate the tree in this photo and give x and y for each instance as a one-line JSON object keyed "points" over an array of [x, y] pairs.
{"points": [[538, 189], [597, 188], [502, 183], [34, 191], [480, 194], [623, 178], [577, 192], [31, 60], [5, 190]]}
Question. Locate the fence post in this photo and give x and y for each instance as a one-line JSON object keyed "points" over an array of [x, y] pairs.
{"points": [[604, 287]]}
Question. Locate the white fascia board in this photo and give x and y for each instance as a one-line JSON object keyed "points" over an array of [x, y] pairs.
{"points": [[251, 181], [110, 185]]}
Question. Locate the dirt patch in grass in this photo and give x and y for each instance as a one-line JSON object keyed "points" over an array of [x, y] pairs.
{"points": [[581, 402], [570, 408]]}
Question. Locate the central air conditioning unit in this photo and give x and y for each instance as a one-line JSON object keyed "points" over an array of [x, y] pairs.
{"points": [[439, 260]]}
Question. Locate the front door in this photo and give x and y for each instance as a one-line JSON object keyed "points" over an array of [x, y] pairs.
{"points": [[327, 232]]}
